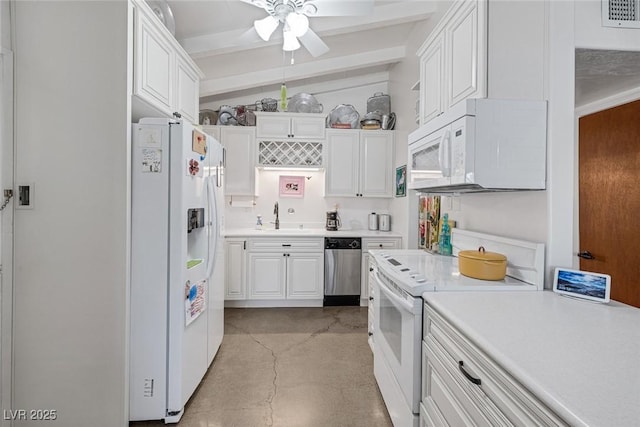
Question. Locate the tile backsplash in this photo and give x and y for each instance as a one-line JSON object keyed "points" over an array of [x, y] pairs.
{"points": [[308, 211]]}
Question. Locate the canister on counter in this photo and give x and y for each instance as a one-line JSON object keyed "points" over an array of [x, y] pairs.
{"points": [[373, 221], [384, 222]]}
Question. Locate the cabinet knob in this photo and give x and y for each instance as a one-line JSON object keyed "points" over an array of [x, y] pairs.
{"points": [[380, 245], [370, 298], [370, 268], [370, 334]]}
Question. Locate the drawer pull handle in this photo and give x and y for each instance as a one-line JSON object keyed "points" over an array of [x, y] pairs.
{"points": [[476, 381], [286, 245]]}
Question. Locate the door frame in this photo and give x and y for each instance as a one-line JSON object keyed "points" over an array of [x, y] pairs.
{"points": [[7, 160], [593, 107]]}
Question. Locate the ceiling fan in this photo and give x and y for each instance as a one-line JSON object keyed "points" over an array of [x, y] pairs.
{"points": [[294, 17]]}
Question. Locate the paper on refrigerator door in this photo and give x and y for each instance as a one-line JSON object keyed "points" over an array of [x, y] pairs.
{"points": [[151, 160], [195, 300]]}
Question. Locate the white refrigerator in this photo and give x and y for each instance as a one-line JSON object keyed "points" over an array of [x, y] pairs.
{"points": [[177, 265]]}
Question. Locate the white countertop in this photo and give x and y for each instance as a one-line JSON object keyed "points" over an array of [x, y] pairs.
{"points": [[580, 358], [307, 232]]}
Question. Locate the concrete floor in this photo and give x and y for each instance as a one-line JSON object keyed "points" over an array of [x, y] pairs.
{"points": [[289, 367]]}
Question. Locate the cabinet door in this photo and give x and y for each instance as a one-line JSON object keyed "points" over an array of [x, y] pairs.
{"points": [[308, 128], [462, 40], [212, 130], [431, 79], [187, 91], [342, 151], [267, 276], [273, 127], [305, 276], [376, 164], [154, 65], [235, 284], [240, 145]]}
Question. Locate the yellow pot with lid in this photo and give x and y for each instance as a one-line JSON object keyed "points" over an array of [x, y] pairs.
{"points": [[482, 265]]}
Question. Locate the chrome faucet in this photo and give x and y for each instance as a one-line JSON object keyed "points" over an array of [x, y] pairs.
{"points": [[276, 212]]}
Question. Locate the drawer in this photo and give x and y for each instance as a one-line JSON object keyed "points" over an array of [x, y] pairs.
{"points": [[285, 245], [457, 400], [381, 243], [506, 401]]}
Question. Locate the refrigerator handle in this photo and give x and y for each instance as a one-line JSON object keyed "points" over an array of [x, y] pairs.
{"points": [[213, 224]]}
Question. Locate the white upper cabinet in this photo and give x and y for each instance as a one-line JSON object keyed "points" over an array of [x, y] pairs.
{"points": [[359, 163], [188, 88], [453, 59], [462, 59], [165, 77], [240, 169], [466, 67], [299, 126], [431, 80]]}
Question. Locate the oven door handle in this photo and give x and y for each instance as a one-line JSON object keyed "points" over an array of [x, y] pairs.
{"points": [[404, 304]]}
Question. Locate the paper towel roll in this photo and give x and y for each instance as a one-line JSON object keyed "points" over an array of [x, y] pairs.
{"points": [[242, 203]]}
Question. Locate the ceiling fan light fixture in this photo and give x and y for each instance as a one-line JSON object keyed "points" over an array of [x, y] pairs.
{"points": [[290, 41], [266, 26], [298, 23]]}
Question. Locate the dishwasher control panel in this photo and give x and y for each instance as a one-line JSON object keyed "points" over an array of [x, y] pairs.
{"points": [[342, 243]]}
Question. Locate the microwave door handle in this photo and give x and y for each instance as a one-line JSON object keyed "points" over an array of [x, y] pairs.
{"points": [[444, 156]]}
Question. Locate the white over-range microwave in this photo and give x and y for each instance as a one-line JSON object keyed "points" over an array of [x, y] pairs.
{"points": [[481, 145]]}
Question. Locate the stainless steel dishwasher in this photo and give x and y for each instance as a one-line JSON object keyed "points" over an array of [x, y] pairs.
{"points": [[342, 260]]}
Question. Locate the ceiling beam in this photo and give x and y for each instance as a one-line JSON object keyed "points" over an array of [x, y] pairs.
{"points": [[316, 68], [238, 40]]}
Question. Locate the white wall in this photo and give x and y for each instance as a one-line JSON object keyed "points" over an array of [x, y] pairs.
{"points": [[404, 76], [71, 267], [572, 24], [589, 32]]}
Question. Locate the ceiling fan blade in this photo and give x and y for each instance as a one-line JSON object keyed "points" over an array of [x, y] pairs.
{"points": [[313, 43], [257, 3], [338, 7]]}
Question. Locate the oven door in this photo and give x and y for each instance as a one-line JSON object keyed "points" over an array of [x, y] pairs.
{"points": [[397, 336]]}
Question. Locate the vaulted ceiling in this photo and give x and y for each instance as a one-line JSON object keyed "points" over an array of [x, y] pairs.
{"points": [[219, 36]]}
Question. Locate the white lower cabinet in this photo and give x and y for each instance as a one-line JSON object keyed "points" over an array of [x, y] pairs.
{"points": [[280, 272], [461, 386], [267, 275], [235, 269], [305, 276]]}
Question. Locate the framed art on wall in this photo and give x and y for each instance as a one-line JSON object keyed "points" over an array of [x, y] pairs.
{"points": [[291, 186], [401, 181]]}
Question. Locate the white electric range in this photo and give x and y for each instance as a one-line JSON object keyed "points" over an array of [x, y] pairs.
{"points": [[402, 278]]}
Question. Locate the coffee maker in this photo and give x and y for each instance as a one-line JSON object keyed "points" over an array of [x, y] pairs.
{"points": [[333, 221]]}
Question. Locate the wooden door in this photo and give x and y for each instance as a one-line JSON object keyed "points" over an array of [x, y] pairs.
{"points": [[609, 174]]}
